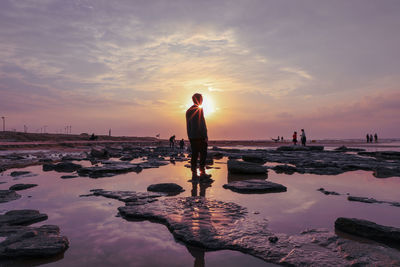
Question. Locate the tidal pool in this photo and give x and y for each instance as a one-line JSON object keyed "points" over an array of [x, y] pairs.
{"points": [[98, 237]]}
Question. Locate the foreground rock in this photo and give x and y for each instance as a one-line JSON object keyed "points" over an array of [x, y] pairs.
{"points": [[22, 217], [348, 149], [367, 229], [62, 167], [19, 173], [169, 188], [8, 195], [29, 242], [108, 170], [241, 167], [17, 187], [255, 186], [372, 200], [218, 225], [383, 172]]}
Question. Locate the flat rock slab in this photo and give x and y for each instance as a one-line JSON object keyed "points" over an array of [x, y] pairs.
{"points": [[129, 197], [255, 186], [300, 148], [242, 167], [372, 200], [22, 217], [367, 229], [218, 225], [255, 158], [32, 242], [8, 195], [17, 187], [108, 170], [169, 188], [19, 173]]}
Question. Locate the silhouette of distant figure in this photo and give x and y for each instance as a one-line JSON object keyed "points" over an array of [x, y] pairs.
{"points": [[197, 133], [281, 138], [181, 144], [172, 141], [93, 137], [376, 138], [367, 138], [295, 138], [371, 139], [303, 137]]}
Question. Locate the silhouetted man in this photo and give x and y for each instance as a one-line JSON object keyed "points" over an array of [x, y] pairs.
{"points": [[197, 133], [172, 141]]}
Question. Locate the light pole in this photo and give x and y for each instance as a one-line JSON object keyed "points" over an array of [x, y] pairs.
{"points": [[4, 123]]}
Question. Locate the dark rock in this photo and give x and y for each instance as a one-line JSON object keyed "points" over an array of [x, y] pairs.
{"points": [[322, 190], [8, 195], [387, 155], [255, 186], [22, 217], [242, 167], [383, 172], [254, 158], [273, 239], [69, 176], [372, 200], [67, 167], [300, 148], [108, 170], [348, 149], [99, 152], [284, 169], [17, 187], [370, 230], [169, 188], [48, 167], [32, 242], [19, 173], [127, 158]]}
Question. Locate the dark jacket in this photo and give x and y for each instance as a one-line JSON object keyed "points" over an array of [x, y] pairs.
{"points": [[195, 123]]}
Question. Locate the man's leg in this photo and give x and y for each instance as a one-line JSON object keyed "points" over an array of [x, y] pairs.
{"points": [[194, 144], [203, 155]]}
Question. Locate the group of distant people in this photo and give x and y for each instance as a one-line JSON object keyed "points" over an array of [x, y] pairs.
{"points": [[303, 138], [370, 138], [172, 142]]}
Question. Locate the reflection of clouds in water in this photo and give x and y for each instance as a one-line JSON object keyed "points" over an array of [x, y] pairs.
{"points": [[302, 207]]}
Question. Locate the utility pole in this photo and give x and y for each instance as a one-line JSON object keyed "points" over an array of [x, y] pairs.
{"points": [[4, 123]]}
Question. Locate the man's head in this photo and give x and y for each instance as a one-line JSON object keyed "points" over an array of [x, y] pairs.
{"points": [[197, 99]]}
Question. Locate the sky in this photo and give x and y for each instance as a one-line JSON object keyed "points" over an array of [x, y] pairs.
{"points": [[265, 68]]}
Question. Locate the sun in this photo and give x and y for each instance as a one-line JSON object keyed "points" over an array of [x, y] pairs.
{"points": [[208, 105]]}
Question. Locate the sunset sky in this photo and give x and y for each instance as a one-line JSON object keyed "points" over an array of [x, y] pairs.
{"points": [[268, 67]]}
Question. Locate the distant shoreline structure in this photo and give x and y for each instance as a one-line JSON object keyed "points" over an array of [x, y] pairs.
{"points": [[11, 140]]}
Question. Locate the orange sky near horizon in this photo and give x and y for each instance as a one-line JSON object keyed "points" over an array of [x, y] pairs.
{"points": [[268, 67]]}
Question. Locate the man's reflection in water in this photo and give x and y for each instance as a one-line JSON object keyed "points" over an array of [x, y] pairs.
{"points": [[198, 255], [198, 183]]}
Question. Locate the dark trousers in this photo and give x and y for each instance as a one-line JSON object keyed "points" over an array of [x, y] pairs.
{"points": [[199, 146]]}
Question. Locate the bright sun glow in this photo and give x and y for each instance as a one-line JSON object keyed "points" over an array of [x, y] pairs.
{"points": [[208, 105]]}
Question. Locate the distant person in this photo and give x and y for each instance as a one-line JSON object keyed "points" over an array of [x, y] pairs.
{"points": [[181, 144], [371, 139], [376, 138], [295, 138], [172, 141], [281, 138], [197, 133], [93, 137], [303, 137], [367, 138]]}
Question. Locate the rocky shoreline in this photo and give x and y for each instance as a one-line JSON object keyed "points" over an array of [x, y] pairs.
{"points": [[220, 225]]}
